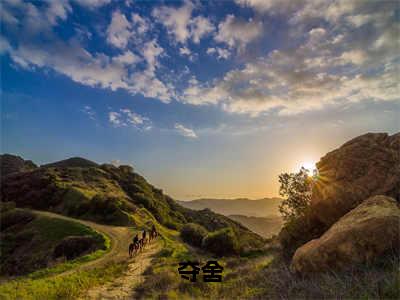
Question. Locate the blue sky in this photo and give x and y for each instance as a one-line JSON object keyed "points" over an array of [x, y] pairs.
{"points": [[205, 99]]}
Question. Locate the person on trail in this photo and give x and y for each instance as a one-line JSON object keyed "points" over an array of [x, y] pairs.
{"points": [[136, 239], [153, 232], [144, 235]]}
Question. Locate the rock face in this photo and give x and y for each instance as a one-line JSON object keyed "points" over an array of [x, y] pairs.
{"points": [[363, 167], [363, 234]]}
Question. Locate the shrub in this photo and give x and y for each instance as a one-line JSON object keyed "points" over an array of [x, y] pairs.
{"points": [[222, 242], [298, 231], [193, 234]]}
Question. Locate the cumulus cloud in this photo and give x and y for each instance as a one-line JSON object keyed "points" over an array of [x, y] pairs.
{"points": [[221, 53], [176, 20], [70, 58], [126, 117], [236, 32], [186, 132], [180, 24], [349, 58], [127, 58], [200, 26], [118, 32]]}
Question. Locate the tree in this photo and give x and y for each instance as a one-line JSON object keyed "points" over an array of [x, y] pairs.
{"points": [[296, 189]]}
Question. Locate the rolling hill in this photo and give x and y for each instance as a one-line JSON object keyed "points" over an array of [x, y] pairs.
{"points": [[108, 194]]}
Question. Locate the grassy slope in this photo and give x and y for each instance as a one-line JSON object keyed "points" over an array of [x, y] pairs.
{"points": [[265, 276], [110, 195], [28, 240]]}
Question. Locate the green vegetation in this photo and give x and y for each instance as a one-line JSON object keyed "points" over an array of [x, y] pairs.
{"points": [[193, 234], [28, 242], [300, 224], [110, 195], [296, 190], [222, 242], [67, 286]]}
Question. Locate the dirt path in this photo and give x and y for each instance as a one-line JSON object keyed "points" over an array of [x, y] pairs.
{"points": [[123, 286], [119, 236]]}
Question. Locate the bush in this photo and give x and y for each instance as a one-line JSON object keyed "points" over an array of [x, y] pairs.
{"points": [[298, 231], [222, 242], [193, 234]]}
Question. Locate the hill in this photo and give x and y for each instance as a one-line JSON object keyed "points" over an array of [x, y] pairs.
{"points": [[253, 208], [71, 162], [13, 164], [264, 226], [108, 194]]}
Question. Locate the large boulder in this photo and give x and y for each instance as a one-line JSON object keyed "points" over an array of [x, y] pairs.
{"points": [[363, 167], [362, 235]]}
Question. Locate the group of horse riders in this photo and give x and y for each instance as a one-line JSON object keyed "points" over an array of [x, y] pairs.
{"points": [[139, 243]]}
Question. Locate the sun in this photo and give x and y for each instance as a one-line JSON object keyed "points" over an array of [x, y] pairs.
{"points": [[309, 165]]}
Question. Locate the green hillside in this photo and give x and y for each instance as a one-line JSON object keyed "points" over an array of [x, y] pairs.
{"points": [[29, 242], [108, 194]]}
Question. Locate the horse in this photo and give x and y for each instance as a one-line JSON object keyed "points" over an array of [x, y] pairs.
{"points": [[153, 234], [131, 249]]}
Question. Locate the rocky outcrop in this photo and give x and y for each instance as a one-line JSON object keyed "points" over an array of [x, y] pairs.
{"points": [[363, 167], [362, 235]]}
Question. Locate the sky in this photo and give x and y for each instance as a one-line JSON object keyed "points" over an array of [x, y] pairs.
{"points": [[203, 98]]}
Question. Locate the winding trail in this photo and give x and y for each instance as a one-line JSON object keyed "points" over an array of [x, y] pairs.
{"points": [[120, 236]]}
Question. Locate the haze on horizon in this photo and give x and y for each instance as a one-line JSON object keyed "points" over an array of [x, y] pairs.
{"points": [[206, 100]]}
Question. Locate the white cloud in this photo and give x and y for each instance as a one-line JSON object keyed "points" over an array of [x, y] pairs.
{"points": [[118, 32], [140, 24], [271, 6], [200, 26], [127, 58], [115, 119], [150, 51], [126, 117], [180, 24], [184, 131], [238, 32], [184, 51], [220, 52], [176, 20]]}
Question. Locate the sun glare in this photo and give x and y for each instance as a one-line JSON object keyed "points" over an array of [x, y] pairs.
{"points": [[309, 165]]}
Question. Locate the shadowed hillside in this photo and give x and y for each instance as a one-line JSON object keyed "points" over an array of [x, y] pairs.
{"points": [[13, 164]]}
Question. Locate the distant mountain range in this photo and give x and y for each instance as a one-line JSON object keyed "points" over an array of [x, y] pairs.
{"points": [[260, 216], [267, 207], [264, 226]]}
